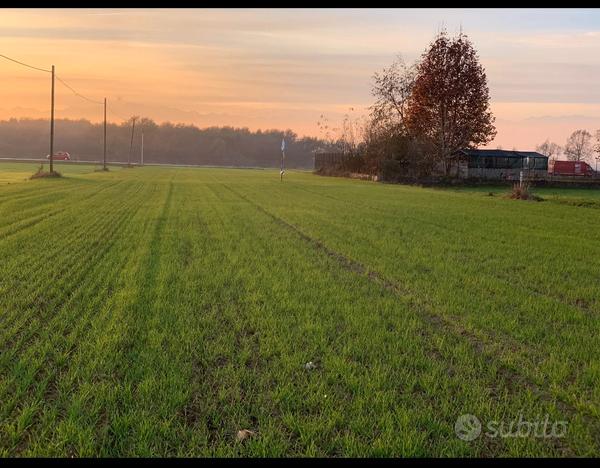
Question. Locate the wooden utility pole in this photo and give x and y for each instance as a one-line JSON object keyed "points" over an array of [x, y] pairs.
{"points": [[131, 144], [142, 146], [104, 159], [52, 126]]}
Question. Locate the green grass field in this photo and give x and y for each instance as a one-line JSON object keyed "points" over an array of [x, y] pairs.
{"points": [[157, 311], [15, 172]]}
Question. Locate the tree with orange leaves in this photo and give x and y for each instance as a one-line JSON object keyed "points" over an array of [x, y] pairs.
{"points": [[449, 105]]}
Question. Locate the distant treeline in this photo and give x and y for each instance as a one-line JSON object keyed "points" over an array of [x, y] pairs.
{"points": [[164, 143]]}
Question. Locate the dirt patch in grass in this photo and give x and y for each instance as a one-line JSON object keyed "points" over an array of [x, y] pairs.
{"points": [[41, 174], [579, 202]]}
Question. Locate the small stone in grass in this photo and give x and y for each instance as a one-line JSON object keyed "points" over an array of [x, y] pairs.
{"points": [[244, 434], [309, 365]]}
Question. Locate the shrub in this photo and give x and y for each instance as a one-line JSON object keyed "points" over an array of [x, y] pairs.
{"points": [[523, 192]]}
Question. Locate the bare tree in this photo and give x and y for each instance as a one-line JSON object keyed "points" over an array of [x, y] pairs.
{"points": [[392, 89], [450, 104], [348, 137], [550, 149], [579, 146], [326, 131], [385, 133], [352, 133]]}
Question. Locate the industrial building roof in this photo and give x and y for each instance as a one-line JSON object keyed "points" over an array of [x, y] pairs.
{"points": [[496, 153]]}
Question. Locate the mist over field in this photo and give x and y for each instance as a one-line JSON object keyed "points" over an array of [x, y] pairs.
{"points": [[166, 143]]}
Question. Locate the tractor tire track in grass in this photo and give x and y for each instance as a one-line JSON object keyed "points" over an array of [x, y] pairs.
{"points": [[24, 221], [56, 225], [506, 343], [465, 231], [18, 209], [495, 447], [194, 318], [30, 297], [143, 309], [235, 325], [250, 355], [443, 229], [50, 385], [69, 270], [121, 321], [35, 191], [44, 389], [103, 361], [480, 343], [495, 332], [51, 243], [512, 380], [55, 331], [72, 277]]}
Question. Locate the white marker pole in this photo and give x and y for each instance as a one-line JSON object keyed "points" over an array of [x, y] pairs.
{"points": [[521, 179], [281, 172]]}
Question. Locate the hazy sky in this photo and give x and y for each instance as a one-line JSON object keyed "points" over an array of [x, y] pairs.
{"points": [[267, 68]]}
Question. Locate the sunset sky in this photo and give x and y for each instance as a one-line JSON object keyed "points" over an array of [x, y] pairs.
{"points": [[267, 68]]}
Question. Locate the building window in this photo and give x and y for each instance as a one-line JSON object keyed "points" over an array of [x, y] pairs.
{"points": [[502, 163], [516, 163], [473, 162]]}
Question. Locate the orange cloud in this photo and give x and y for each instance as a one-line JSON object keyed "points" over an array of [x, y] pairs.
{"points": [[284, 68]]}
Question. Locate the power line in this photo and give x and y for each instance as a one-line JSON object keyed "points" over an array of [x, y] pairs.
{"points": [[78, 94], [25, 65], [64, 83], [59, 79], [117, 115], [67, 85]]}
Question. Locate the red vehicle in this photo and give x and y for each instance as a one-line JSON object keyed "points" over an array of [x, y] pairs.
{"points": [[570, 168], [60, 156]]}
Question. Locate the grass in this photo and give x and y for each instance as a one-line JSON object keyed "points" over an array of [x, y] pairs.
{"points": [[17, 172], [160, 311], [585, 197]]}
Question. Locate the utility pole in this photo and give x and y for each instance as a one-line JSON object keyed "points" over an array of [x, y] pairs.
{"points": [[131, 144], [104, 159], [52, 126], [142, 146], [282, 171]]}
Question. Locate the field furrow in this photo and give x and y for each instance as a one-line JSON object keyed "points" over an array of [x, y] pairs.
{"points": [[500, 300], [158, 311]]}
